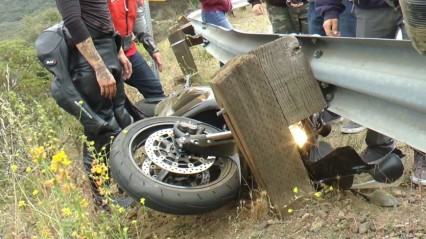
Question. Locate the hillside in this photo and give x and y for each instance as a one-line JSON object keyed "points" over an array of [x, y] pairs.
{"points": [[13, 11]]}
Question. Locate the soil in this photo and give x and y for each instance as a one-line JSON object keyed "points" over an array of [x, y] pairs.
{"points": [[339, 214]]}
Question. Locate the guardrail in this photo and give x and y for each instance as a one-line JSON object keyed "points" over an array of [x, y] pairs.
{"points": [[378, 83]]}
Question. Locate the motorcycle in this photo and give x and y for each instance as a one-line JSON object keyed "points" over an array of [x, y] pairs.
{"points": [[182, 159]]}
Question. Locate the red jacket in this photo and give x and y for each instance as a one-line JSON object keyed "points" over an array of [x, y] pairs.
{"points": [[128, 18], [216, 5]]}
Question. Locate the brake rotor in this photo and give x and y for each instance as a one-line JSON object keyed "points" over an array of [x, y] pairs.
{"points": [[161, 149], [152, 170]]}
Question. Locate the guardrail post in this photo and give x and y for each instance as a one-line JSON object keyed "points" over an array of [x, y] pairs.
{"points": [[180, 47], [264, 92]]}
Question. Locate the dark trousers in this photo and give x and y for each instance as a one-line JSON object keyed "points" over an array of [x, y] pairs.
{"points": [[110, 111], [144, 79], [378, 23]]}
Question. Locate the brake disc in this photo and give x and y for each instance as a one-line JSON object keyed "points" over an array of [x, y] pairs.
{"points": [[151, 169], [161, 149]]}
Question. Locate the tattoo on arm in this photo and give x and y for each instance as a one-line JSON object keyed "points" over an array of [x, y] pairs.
{"points": [[88, 50]]}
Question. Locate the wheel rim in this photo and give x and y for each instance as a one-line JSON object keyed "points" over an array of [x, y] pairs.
{"points": [[162, 151], [204, 172]]}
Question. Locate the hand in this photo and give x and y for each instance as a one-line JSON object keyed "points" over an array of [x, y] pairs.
{"points": [[156, 56], [106, 82], [258, 9], [296, 5], [331, 27], [125, 63]]}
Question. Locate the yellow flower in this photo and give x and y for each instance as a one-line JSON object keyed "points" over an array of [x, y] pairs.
{"points": [[290, 210], [81, 102], [99, 170], [84, 203], [142, 201], [134, 221], [74, 234], [295, 190], [35, 192], [13, 167], [331, 188], [120, 209], [66, 212], [60, 156], [28, 169], [22, 203], [38, 154], [54, 166], [66, 162], [318, 194]]}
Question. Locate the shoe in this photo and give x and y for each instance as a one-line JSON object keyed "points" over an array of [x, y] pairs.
{"points": [[418, 175], [373, 155], [329, 117], [351, 128]]}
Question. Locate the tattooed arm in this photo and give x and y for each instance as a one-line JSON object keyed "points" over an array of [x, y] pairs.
{"points": [[105, 79], [71, 11]]}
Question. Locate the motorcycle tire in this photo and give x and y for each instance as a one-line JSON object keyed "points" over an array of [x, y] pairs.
{"points": [[180, 194]]}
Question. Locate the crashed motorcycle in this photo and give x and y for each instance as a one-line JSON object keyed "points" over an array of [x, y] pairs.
{"points": [[182, 158]]}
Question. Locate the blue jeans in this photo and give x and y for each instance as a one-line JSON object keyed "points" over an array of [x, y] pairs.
{"points": [[315, 21], [144, 79], [217, 18], [347, 21]]}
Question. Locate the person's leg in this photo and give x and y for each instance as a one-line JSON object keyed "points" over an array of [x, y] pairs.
{"points": [[377, 23], [280, 20], [419, 168], [347, 21], [302, 14], [315, 21], [144, 79], [217, 18]]}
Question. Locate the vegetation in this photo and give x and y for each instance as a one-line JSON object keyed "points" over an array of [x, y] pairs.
{"points": [[44, 189]]}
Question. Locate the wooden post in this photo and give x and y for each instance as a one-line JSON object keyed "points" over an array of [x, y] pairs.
{"points": [[263, 93]]}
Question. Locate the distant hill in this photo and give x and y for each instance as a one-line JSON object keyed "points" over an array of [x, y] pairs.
{"points": [[12, 11]]}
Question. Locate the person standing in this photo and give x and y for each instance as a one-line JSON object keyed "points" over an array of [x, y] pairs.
{"points": [[214, 12], [347, 28], [128, 18], [97, 68], [286, 16], [375, 19]]}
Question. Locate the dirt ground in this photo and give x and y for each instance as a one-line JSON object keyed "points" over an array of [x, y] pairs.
{"points": [[334, 215], [340, 214]]}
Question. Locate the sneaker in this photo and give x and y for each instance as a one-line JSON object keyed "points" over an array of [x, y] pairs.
{"points": [[329, 117], [351, 128], [418, 175]]}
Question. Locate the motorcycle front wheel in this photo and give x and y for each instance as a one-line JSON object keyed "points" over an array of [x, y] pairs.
{"points": [[166, 185]]}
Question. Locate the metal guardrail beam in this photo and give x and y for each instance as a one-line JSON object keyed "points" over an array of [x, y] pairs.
{"points": [[378, 83]]}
